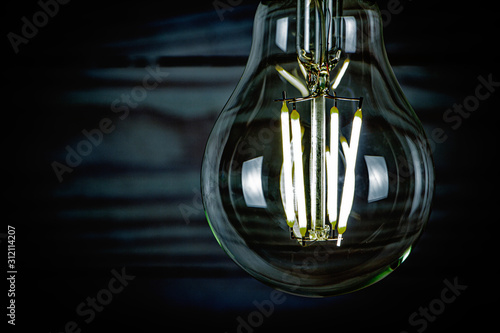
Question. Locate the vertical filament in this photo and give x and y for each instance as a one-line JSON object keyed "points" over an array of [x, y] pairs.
{"points": [[287, 166], [333, 166], [300, 195], [350, 153]]}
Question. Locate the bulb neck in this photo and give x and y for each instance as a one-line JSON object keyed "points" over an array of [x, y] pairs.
{"points": [[318, 80], [318, 41]]}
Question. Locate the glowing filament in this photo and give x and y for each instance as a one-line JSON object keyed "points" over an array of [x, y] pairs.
{"points": [[340, 74], [332, 166], [300, 194], [287, 166], [350, 153]]}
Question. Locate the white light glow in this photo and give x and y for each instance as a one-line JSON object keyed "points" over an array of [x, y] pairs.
{"points": [[287, 166], [340, 74], [300, 195], [332, 169], [350, 178]]}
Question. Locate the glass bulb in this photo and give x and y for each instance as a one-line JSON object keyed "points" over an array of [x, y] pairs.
{"points": [[317, 177]]}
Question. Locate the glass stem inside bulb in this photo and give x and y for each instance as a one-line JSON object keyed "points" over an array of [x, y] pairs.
{"points": [[317, 166], [316, 29]]}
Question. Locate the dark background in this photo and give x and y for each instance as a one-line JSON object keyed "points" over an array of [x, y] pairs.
{"points": [[133, 202]]}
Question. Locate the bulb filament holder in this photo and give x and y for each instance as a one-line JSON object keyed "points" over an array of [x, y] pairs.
{"points": [[323, 170], [326, 95]]}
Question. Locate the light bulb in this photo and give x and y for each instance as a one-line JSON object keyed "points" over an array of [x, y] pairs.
{"points": [[317, 177]]}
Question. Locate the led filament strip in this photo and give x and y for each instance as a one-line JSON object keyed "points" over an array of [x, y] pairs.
{"points": [[294, 196]]}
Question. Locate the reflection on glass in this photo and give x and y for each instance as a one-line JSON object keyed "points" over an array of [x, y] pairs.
{"points": [[252, 184], [378, 178]]}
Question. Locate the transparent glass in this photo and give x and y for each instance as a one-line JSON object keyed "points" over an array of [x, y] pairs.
{"points": [[317, 178]]}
